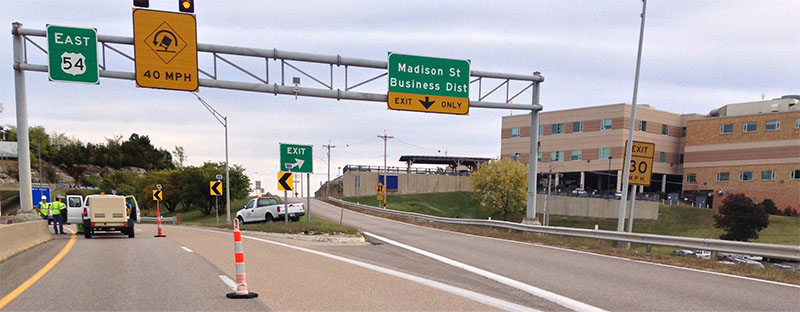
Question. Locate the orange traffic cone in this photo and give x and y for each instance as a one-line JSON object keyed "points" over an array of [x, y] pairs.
{"points": [[158, 221], [238, 255]]}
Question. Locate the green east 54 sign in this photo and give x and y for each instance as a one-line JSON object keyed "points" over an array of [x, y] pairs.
{"points": [[72, 54], [428, 84], [296, 158]]}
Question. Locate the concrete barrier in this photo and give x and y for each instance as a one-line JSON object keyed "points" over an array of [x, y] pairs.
{"points": [[18, 237], [594, 207]]}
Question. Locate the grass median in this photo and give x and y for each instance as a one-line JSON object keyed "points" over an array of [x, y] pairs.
{"points": [[316, 226]]}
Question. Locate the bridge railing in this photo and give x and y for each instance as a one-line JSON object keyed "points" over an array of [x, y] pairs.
{"points": [[714, 245]]}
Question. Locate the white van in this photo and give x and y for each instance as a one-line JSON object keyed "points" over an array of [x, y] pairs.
{"points": [[76, 203]]}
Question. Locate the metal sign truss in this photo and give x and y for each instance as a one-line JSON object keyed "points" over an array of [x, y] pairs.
{"points": [[264, 83], [339, 90]]}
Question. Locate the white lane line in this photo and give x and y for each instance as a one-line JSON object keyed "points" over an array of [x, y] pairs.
{"points": [[541, 293], [187, 249], [471, 295], [228, 281], [577, 251], [139, 231]]}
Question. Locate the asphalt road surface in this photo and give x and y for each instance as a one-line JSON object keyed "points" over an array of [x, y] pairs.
{"points": [[186, 271], [598, 281], [114, 272]]}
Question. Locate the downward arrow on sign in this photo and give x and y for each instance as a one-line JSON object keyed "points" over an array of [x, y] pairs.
{"points": [[427, 103]]}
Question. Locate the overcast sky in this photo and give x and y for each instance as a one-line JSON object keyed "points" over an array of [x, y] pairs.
{"points": [[698, 55]]}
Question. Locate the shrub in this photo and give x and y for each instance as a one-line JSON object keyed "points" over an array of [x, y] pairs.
{"points": [[769, 206], [741, 218]]}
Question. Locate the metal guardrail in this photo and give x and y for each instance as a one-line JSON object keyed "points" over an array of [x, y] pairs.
{"points": [[715, 245], [174, 220]]}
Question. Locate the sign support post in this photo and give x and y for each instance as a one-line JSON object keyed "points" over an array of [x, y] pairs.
{"points": [[23, 140], [286, 206], [308, 197], [629, 148]]}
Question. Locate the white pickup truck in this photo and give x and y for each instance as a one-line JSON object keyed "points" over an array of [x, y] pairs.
{"points": [[262, 209]]}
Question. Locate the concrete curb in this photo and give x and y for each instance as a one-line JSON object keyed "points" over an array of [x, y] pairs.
{"points": [[19, 237]]}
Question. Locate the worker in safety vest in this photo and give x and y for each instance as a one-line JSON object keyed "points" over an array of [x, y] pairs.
{"points": [[44, 208], [55, 210]]}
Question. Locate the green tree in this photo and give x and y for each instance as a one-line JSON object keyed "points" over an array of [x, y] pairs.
{"points": [[740, 218], [500, 188], [769, 206], [121, 182]]}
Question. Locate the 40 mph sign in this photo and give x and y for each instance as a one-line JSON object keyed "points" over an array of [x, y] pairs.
{"points": [[72, 54]]}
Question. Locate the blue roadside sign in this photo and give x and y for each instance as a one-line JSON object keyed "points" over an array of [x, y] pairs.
{"points": [[38, 192]]}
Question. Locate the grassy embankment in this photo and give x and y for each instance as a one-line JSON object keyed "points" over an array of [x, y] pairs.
{"points": [[318, 225], [673, 220]]}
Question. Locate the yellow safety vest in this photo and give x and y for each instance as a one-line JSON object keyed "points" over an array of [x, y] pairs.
{"points": [[56, 208], [43, 207]]}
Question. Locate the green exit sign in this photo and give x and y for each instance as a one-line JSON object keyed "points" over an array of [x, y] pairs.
{"points": [[296, 158], [72, 54], [428, 84]]}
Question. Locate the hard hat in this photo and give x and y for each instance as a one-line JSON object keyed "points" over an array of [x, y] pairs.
{"points": [[44, 197]]}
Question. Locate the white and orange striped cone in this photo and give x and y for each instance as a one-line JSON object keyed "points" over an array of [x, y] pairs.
{"points": [[158, 221], [238, 255]]}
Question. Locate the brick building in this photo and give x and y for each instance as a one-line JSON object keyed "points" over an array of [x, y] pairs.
{"points": [[751, 148], [584, 147]]}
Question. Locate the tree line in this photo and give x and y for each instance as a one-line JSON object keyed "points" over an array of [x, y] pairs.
{"points": [[63, 151], [186, 188]]}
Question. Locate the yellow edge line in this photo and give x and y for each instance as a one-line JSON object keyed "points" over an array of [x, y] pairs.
{"points": [[27, 284]]}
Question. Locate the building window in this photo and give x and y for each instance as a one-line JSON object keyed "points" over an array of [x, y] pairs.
{"points": [[559, 128], [541, 130], [683, 132], [691, 177], [605, 153], [795, 174], [514, 132], [768, 175], [662, 157], [680, 160], [577, 126], [605, 124], [557, 156], [576, 155], [750, 127], [746, 176], [539, 157], [773, 125], [726, 129], [797, 123], [723, 177], [642, 125], [664, 129], [515, 156]]}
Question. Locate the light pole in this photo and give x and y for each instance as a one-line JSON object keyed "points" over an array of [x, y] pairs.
{"points": [[223, 120], [608, 178]]}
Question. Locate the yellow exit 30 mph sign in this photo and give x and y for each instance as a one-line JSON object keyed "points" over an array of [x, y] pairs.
{"points": [[641, 166], [165, 47]]}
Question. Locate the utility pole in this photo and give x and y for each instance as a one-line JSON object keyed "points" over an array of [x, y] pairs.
{"points": [[328, 185], [385, 169]]}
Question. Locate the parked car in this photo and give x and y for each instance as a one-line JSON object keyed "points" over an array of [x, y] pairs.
{"points": [[703, 254], [578, 192], [742, 260], [682, 252], [782, 266]]}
